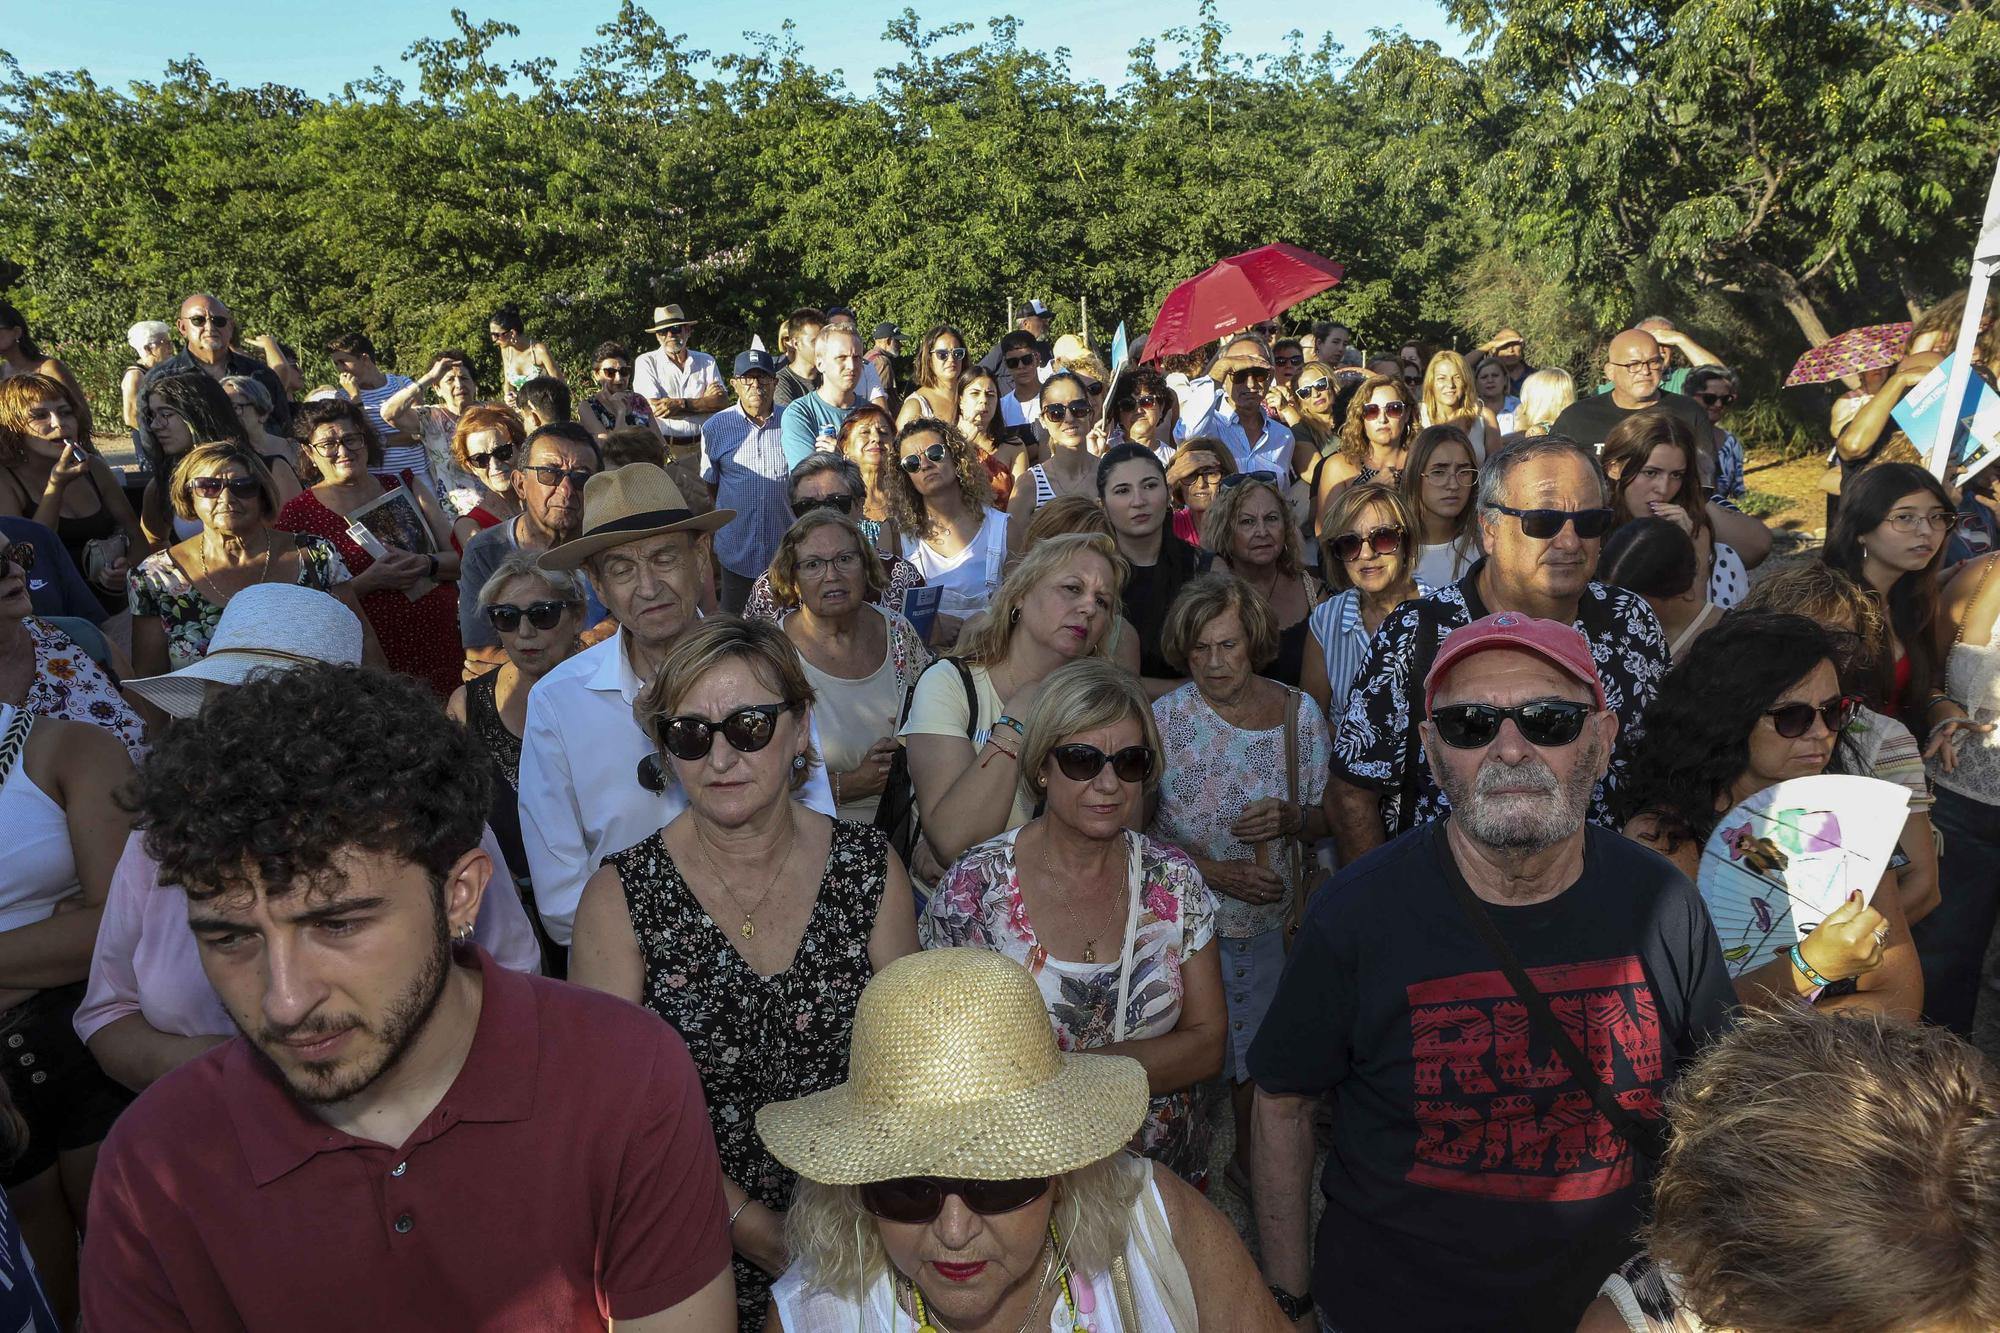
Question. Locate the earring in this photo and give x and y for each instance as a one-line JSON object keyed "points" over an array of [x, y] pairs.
{"points": [[799, 763], [464, 933], [1014, 616]]}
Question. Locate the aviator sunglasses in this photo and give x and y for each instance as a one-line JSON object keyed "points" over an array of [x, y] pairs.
{"points": [[936, 453], [1547, 722], [1795, 720], [1082, 763], [506, 617], [1385, 540], [915, 1200]]}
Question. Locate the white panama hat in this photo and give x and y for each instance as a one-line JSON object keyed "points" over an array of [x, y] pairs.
{"points": [[266, 627]]}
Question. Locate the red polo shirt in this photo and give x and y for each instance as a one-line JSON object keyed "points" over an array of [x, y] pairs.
{"points": [[568, 1177]]}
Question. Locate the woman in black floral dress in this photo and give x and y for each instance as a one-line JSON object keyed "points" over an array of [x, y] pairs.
{"points": [[749, 922]]}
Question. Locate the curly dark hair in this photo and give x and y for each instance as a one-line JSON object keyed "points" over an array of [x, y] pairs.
{"points": [[277, 776], [1698, 726], [906, 506], [328, 411]]}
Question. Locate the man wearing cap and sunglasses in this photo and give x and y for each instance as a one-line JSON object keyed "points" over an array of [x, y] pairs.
{"points": [[682, 384], [590, 780], [1490, 1159], [1543, 514], [743, 462], [1236, 416]]}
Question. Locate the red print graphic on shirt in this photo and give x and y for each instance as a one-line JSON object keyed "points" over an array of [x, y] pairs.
{"points": [[1498, 1112]]}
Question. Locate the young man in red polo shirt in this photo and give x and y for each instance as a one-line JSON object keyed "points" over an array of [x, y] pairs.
{"points": [[404, 1135]]}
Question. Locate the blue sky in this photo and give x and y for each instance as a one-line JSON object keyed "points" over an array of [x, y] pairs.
{"points": [[318, 46]]}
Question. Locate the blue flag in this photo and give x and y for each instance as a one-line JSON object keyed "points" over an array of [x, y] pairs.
{"points": [[1119, 349]]}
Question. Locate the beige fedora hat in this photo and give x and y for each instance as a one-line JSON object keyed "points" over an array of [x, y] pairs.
{"points": [[666, 317], [630, 504], [954, 1071]]}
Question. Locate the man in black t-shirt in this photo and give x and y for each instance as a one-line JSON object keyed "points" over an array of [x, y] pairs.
{"points": [[1474, 1185], [1635, 366]]}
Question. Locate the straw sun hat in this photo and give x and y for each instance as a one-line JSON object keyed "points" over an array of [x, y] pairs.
{"points": [[630, 504], [954, 1072]]}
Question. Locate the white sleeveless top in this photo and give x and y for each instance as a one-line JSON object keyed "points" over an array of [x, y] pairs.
{"points": [[970, 578], [38, 870], [1161, 1295]]}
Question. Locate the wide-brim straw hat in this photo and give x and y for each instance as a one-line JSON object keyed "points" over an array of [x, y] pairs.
{"points": [[265, 627], [667, 317], [630, 504], [954, 1071]]}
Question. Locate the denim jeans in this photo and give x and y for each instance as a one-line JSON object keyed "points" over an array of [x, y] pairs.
{"points": [[1953, 942]]}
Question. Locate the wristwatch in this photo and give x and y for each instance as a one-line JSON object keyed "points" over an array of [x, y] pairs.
{"points": [[1292, 1307]]}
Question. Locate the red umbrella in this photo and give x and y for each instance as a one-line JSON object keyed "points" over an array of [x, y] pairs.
{"points": [[1239, 291], [1850, 353]]}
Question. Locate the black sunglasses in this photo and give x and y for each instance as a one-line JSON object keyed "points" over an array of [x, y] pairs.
{"points": [[1385, 540], [844, 503], [1546, 523], [1795, 720], [748, 730], [1082, 763], [484, 462], [1254, 375], [1059, 412], [1289, 360], [937, 453], [21, 555], [1717, 399], [1095, 388], [1018, 362], [1316, 386], [552, 476], [615, 372], [210, 487], [506, 617], [203, 321], [1543, 722], [1238, 478], [1139, 402], [915, 1200]]}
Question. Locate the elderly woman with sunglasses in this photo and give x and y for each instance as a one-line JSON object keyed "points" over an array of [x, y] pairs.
{"points": [[1735, 716], [419, 637], [1194, 479], [829, 481], [750, 922], [1250, 530], [1365, 544], [969, 1175], [613, 404], [459, 488], [1068, 468], [942, 504], [1374, 440], [940, 371], [1116, 927], [177, 595], [477, 473]]}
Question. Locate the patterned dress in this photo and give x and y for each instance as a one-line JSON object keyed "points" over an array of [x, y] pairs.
{"points": [[757, 1039], [159, 587], [979, 905], [70, 686]]}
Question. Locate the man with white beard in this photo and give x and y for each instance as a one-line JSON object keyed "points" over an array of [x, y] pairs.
{"points": [[1497, 1001]]}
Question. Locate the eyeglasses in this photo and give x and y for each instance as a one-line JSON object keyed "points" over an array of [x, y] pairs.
{"points": [[335, 444], [1632, 367], [1443, 474], [203, 321], [503, 456], [915, 1200], [210, 487], [21, 555], [1018, 362], [1546, 523], [937, 453], [614, 372], [1904, 521], [948, 353], [1385, 540], [813, 566], [1369, 411], [1717, 399], [1795, 720], [1082, 763], [552, 476], [542, 615], [1236, 479], [1078, 411], [1549, 722], [748, 730], [1316, 386], [1289, 360], [844, 503]]}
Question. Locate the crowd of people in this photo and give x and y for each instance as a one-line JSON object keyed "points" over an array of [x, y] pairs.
{"points": [[866, 843]]}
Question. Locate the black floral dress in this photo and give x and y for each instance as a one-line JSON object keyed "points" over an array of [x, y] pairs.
{"points": [[756, 1039]]}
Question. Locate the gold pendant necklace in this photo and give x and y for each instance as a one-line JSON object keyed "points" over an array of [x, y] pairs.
{"points": [[1090, 941], [748, 930]]}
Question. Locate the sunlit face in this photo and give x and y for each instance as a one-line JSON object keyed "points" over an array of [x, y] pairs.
{"points": [[1492, 378], [1141, 414], [968, 1265], [222, 508], [1099, 807], [1219, 658], [977, 403], [1555, 567], [1658, 481], [1135, 498], [839, 361], [651, 587], [1775, 758], [351, 366], [458, 388], [333, 982], [206, 325], [727, 786], [1371, 571], [1449, 479], [1635, 365], [156, 350], [491, 455], [1384, 429], [557, 508], [755, 392], [948, 358], [1248, 385], [673, 340], [1910, 535], [1070, 609], [831, 571], [1074, 403], [513, 339], [805, 343], [1334, 350], [1200, 487], [340, 448], [1448, 384], [934, 477], [534, 651], [1258, 537], [869, 442]]}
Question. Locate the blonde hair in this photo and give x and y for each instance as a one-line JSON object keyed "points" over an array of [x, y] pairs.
{"points": [[1544, 395], [203, 458], [1346, 508], [716, 640], [987, 642], [1079, 696], [1320, 428], [1434, 410], [1218, 524], [785, 564], [1201, 600], [839, 1249]]}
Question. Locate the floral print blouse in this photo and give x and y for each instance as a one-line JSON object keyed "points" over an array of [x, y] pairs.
{"points": [[160, 587], [70, 686]]}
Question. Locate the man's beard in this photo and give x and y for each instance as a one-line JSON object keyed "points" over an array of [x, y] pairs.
{"points": [[1523, 822]]}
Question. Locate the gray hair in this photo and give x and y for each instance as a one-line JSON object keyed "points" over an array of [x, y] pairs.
{"points": [[259, 396], [565, 584], [820, 461], [1494, 472], [146, 331]]}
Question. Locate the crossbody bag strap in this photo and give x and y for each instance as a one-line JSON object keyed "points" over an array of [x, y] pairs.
{"points": [[1646, 1138]]}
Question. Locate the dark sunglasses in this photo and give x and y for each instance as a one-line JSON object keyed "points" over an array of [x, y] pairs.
{"points": [[1082, 763], [1289, 360], [1235, 479], [203, 321], [937, 453], [506, 617], [950, 353], [1316, 386], [1254, 375], [1018, 362], [1369, 411], [552, 476], [1061, 412], [1095, 388], [21, 555], [915, 1200], [484, 462], [748, 730], [210, 487], [844, 503], [1546, 523], [1544, 722], [1717, 399], [1795, 720], [1385, 540], [1140, 402], [615, 372]]}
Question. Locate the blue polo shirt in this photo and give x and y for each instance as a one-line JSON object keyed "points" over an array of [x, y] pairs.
{"points": [[749, 468]]}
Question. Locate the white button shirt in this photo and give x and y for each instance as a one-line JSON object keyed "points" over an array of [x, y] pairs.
{"points": [[580, 795], [1270, 453], [654, 375]]}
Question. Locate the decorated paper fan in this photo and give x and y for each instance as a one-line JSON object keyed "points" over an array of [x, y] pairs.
{"points": [[1778, 863]]}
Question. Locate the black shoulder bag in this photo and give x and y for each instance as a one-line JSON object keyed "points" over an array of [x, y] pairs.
{"points": [[896, 813]]}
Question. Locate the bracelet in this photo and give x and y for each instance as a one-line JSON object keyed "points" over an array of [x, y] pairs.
{"points": [[833, 779], [1006, 720], [1799, 961], [434, 565], [747, 1201], [1015, 756]]}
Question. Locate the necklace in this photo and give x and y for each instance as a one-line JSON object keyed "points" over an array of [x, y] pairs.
{"points": [[1090, 941], [748, 930], [925, 1324], [215, 594]]}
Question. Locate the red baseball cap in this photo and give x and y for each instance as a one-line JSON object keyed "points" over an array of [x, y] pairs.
{"points": [[1558, 644]]}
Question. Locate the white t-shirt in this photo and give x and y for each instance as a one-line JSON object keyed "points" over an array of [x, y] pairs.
{"points": [[1014, 412], [970, 578]]}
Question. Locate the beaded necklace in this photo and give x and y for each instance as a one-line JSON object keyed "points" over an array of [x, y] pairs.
{"points": [[924, 1324]]}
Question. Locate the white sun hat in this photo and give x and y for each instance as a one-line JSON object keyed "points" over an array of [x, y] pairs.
{"points": [[265, 627]]}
